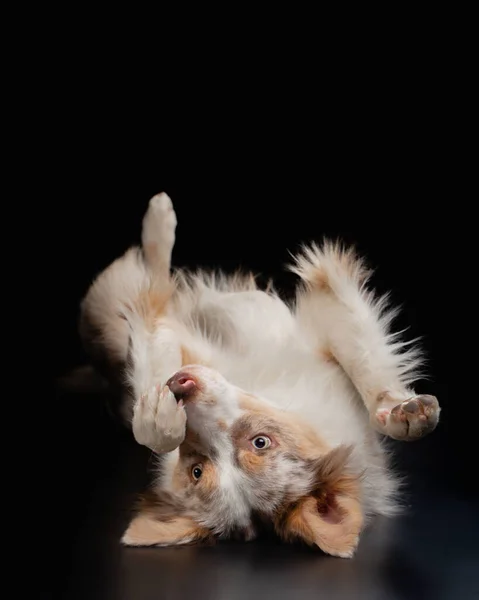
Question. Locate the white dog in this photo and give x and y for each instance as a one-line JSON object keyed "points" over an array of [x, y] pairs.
{"points": [[264, 412]]}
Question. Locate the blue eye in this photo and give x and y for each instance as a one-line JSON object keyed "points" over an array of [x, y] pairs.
{"points": [[196, 472], [261, 442]]}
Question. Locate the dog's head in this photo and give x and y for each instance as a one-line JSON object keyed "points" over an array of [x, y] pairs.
{"points": [[241, 458]]}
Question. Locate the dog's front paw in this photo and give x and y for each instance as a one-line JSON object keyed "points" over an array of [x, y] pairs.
{"points": [[159, 421], [409, 420]]}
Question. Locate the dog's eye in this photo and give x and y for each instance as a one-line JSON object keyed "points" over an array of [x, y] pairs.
{"points": [[261, 442], [197, 472]]}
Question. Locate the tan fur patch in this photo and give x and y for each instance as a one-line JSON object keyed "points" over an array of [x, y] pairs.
{"points": [[331, 516], [332, 469], [318, 266], [191, 443], [296, 526], [145, 530], [189, 358], [251, 463], [157, 524], [292, 429], [320, 280], [339, 537], [208, 484], [326, 355], [348, 262], [182, 476], [151, 303], [222, 425]]}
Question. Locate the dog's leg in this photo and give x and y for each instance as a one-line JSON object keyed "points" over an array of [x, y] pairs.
{"points": [[351, 325], [158, 422], [123, 328], [158, 235], [103, 327]]}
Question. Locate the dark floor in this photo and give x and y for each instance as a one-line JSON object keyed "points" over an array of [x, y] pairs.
{"points": [[429, 553]]}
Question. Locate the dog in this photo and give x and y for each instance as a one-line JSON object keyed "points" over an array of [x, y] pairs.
{"points": [[262, 411]]}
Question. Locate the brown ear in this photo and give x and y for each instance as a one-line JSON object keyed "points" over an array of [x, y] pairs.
{"points": [[156, 524], [331, 516]]}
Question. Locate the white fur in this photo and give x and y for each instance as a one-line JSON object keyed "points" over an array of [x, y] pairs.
{"points": [[258, 344]]}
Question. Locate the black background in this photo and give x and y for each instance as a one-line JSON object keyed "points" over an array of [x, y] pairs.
{"points": [[266, 132]]}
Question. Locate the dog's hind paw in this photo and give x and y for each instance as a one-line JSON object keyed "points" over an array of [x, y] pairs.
{"points": [[409, 420]]}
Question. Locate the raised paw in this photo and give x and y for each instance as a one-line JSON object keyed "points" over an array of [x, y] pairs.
{"points": [[158, 233], [410, 420], [159, 421]]}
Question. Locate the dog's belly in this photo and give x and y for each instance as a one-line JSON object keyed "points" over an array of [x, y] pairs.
{"points": [[257, 346], [244, 319], [298, 381]]}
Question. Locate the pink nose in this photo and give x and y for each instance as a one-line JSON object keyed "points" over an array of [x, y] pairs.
{"points": [[181, 384]]}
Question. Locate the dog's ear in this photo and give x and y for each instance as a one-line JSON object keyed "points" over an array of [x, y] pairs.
{"points": [[156, 524], [330, 516]]}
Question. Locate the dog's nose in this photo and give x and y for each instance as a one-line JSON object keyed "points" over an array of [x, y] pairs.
{"points": [[181, 385]]}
